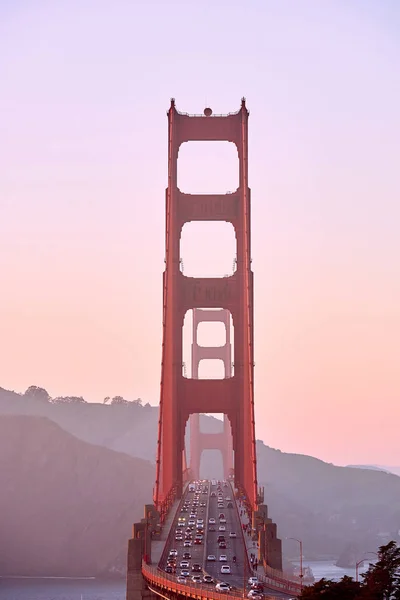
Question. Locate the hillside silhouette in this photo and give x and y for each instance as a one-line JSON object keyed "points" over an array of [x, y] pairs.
{"points": [[67, 506], [328, 507]]}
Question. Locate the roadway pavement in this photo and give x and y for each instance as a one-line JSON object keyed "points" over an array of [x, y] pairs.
{"points": [[206, 508]]}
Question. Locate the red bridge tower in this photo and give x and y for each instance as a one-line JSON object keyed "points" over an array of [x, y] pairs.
{"points": [[211, 441], [233, 396]]}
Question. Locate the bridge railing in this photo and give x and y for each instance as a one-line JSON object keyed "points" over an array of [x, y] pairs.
{"points": [[167, 583], [280, 575], [273, 578]]}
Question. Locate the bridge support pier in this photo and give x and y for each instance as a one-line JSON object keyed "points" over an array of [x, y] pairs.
{"points": [[136, 587], [270, 546], [139, 549]]}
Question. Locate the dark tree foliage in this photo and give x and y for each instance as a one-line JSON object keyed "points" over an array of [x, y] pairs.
{"points": [[345, 589], [37, 393], [380, 582], [69, 400]]}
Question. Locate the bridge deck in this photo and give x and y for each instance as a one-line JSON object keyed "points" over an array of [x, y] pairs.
{"points": [[157, 546]]}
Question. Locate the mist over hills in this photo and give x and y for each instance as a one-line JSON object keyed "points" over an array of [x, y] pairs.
{"points": [[93, 491], [67, 506]]}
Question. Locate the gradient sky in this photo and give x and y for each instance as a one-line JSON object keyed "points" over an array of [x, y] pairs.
{"points": [[85, 85]]}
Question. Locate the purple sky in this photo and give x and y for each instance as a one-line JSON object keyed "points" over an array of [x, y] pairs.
{"points": [[85, 86]]}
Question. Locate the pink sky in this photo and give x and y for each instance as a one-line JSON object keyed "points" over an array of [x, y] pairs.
{"points": [[83, 159]]}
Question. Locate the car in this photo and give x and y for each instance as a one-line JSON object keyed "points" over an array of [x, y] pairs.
{"points": [[196, 568], [184, 564], [222, 545], [232, 534], [211, 557], [222, 587], [213, 495], [222, 521], [198, 542], [229, 505], [185, 573], [221, 516], [186, 555], [223, 558], [178, 538], [253, 595], [222, 528], [253, 581], [196, 579], [181, 579], [173, 552], [221, 538], [187, 544], [226, 569], [211, 521], [208, 579], [191, 522], [228, 498], [168, 569], [258, 587], [221, 505]]}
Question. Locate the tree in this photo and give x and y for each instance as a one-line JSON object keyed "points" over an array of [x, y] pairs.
{"points": [[37, 393], [69, 400], [382, 580], [119, 400], [345, 589]]}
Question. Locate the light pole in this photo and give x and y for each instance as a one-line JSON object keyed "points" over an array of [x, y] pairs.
{"points": [[361, 561], [301, 560]]}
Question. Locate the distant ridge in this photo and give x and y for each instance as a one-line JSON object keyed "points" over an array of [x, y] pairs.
{"points": [[326, 506], [66, 506], [392, 470], [370, 467]]}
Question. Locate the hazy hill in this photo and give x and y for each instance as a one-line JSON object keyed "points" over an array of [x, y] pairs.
{"points": [[67, 506], [328, 507]]}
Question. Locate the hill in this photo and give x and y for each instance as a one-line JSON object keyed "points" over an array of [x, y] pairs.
{"points": [[328, 507], [67, 506]]}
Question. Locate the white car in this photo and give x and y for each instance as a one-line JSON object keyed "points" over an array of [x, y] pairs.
{"points": [[191, 522], [253, 580], [223, 558], [186, 544], [223, 587], [181, 579], [222, 528], [173, 552], [196, 579], [226, 569], [211, 557], [232, 534], [211, 521], [254, 595], [184, 564]]}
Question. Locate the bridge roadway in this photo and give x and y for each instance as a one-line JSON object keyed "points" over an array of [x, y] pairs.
{"points": [[206, 508]]}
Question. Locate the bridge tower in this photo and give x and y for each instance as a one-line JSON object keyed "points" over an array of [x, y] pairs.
{"points": [[200, 441], [181, 397]]}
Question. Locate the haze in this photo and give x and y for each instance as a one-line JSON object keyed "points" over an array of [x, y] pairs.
{"points": [[83, 152]]}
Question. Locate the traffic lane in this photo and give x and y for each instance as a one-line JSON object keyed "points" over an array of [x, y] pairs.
{"points": [[196, 551], [234, 545]]}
